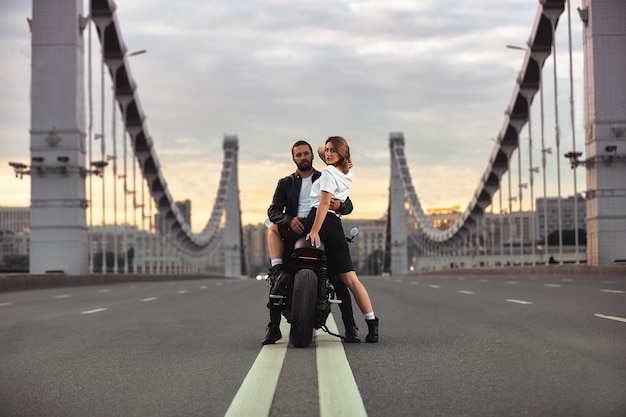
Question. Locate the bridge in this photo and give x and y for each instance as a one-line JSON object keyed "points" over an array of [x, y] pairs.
{"points": [[65, 163]]}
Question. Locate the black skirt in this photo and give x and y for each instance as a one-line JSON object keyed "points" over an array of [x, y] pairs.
{"points": [[332, 234]]}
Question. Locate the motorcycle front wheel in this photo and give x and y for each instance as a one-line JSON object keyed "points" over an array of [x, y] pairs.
{"points": [[303, 308]]}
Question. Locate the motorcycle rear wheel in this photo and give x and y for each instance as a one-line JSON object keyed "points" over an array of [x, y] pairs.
{"points": [[303, 305]]}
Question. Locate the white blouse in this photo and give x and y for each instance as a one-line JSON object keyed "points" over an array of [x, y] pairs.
{"points": [[333, 181]]}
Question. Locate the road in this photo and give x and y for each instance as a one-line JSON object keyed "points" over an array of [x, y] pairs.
{"points": [[449, 346]]}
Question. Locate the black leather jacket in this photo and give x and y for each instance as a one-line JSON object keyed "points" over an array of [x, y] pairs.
{"points": [[284, 205]]}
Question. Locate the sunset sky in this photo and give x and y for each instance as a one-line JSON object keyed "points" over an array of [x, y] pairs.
{"points": [[275, 71]]}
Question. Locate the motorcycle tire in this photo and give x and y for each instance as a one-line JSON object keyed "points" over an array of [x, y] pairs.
{"points": [[303, 306]]}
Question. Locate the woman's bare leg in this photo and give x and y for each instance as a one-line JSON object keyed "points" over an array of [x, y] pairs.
{"points": [[362, 299], [358, 291]]}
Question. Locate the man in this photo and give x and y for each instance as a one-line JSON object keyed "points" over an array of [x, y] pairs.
{"points": [[290, 205]]}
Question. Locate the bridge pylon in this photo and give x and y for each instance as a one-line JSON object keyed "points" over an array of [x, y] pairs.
{"points": [[604, 44], [397, 216], [58, 235], [232, 239]]}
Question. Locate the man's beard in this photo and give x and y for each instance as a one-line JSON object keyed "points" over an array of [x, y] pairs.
{"points": [[305, 166]]}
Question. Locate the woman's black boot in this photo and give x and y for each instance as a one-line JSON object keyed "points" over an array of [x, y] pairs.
{"points": [[352, 336], [372, 336]]}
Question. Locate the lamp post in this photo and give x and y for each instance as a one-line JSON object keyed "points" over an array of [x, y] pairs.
{"points": [[511, 198], [571, 102], [573, 157], [521, 220], [544, 150], [125, 176], [557, 132]]}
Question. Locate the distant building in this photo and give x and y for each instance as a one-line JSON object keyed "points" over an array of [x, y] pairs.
{"points": [[15, 219], [14, 231], [257, 258], [367, 249], [551, 206], [185, 210], [443, 218]]}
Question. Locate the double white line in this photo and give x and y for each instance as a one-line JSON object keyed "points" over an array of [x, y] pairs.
{"points": [[338, 392]]}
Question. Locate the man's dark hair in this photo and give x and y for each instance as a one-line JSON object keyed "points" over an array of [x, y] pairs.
{"points": [[300, 143]]}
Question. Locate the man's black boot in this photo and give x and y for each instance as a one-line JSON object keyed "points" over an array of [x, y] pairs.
{"points": [[280, 280], [352, 335], [372, 336], [273, 334]]}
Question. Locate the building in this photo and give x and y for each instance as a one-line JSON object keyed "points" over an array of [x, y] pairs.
{"points": [[14, 232], [254, 239], [15, 219], [185, 209], [367, 249], [548, 214]]}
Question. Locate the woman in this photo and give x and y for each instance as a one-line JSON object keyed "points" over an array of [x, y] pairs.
{"points": [[325, 224]]}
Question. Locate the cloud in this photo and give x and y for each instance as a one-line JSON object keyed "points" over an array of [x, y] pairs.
{"points": [[274, 71]]}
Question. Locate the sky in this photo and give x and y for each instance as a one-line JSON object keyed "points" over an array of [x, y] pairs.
{"points": [[275, 71]]}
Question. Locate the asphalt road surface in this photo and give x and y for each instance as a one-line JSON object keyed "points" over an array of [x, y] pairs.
{"points": [[449, 346]]}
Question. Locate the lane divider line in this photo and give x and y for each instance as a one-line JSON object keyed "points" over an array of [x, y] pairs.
{"points": [[512, 300], [338, 392], [602, 316], [149, 299], [95, 310], [613, 291], [256, 394], [466, 292]]}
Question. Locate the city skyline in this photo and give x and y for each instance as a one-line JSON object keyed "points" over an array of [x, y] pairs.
{"points": [[275, 72]]}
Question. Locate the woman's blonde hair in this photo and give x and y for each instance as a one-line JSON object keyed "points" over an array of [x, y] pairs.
{"points": [[343, 150]]}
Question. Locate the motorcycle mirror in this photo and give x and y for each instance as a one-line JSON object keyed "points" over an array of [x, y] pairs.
{"points": [[354, 231], [267, 223]]}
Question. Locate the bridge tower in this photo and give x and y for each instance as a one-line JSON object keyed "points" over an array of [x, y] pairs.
{"points": [[604, 43], [396, 228], [232, 241], [58, 238]]}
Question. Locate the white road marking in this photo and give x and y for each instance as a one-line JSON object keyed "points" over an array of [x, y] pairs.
{"points": [[602, 316], [512, 300], [63, 296], [338, 393], [512, 282], [552, 285], [96, 310], [466, 292], [181, 292], [613, 291], [5, 304], [256, 393], [149, 299], [434, 286], [413, 283], [103, 291]]}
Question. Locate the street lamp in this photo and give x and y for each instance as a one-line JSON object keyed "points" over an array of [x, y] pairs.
{"points": [[573, 157]]}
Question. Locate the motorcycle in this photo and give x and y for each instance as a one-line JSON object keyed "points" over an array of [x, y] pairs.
{"points": [[311, 293]]}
